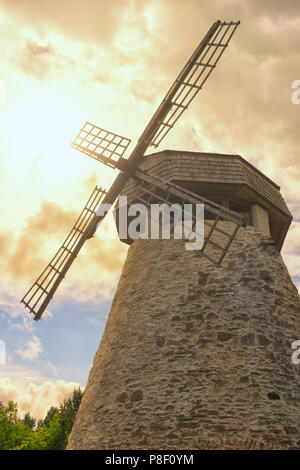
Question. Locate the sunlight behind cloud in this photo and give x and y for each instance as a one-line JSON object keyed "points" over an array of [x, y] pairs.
{"points": [[43, 125], [112, 65]]}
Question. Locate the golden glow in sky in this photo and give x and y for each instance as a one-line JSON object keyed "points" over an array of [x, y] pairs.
{"points": [[110, 63]]}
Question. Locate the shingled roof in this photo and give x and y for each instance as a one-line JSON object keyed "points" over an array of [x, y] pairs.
{"points": [[214, 168]]}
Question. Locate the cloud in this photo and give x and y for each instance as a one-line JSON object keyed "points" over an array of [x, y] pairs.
{"points": [[93, 277], [28, 252], [95, 20], [5, 241], [36, 49], [245, 107], [115, 61], [32, 349], [35, 399], [35, 59], [12, 311], [53, 369], [291, 252]]}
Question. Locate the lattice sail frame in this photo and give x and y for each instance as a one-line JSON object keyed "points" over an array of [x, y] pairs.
{"points": [[100, 144], [90, 140], [37, 298], [201, 69], [153, 188]]}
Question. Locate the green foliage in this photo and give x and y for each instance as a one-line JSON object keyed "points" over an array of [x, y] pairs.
{"points": [[45, 437], [12, 430], [49, 416], [52, 433], [29, 421], [69, 409]]}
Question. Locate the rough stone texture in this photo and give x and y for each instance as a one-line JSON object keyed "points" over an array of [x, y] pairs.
{"points": [[194, 356]]}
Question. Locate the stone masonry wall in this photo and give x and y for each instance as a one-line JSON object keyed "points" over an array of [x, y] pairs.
{"points": [[192, 353]]}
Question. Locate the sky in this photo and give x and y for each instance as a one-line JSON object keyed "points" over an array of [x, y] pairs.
{"points": [[65, 62]]}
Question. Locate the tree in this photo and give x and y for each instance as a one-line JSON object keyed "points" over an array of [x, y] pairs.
{"points": [[50, 413], [52, 433], [45, 437], [12, 430], [68, 410], [28, 420]]}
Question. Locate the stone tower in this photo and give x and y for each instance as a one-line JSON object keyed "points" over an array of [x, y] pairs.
{"points": [[195, 356]]}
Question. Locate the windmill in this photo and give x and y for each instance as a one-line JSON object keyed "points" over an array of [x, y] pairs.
{"points": [[109, 148]]}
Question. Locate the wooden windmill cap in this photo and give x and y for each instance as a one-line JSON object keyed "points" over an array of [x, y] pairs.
{"points": [[229, 180]]}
